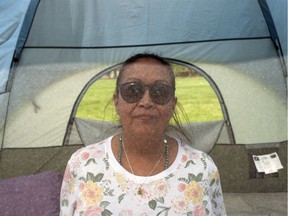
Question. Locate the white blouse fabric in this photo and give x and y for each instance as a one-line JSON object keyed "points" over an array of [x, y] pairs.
{"points": [[96, 184]]}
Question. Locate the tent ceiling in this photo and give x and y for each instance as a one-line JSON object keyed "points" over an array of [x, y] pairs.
{"points": [[110, 23]]}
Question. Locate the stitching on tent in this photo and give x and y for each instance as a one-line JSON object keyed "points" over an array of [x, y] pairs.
{"points": [[145, 45]]}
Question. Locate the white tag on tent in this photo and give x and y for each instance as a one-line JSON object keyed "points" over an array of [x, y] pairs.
{"points": [[269, 163]]}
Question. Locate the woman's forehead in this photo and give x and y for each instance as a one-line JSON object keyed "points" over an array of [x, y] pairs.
{"points": [[146, 68]]}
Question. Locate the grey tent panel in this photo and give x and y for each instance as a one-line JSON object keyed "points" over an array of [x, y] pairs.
{"points": [[203, 135]]}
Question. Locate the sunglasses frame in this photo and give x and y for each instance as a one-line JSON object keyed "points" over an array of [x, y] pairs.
{"points": [[141, 94]]}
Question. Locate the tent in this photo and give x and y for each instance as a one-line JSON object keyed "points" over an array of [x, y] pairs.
{"points": [[51, 51]]}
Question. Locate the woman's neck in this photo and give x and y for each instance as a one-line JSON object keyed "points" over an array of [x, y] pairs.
{"points": [[148, 144], [143, 155]]}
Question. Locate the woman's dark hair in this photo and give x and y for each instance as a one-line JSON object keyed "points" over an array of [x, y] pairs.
{"points": [[140, 56]]}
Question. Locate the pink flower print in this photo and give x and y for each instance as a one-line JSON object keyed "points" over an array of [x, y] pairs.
{"points": [[161, 188], [184, 158], [98, 153], [93, 211], [68, 187], [67, 174], [126, 213], [85, 155], [194, 155], [142, 192], [76, 163], [181, 187], [199, 211], [180, 205], [81, 186]]}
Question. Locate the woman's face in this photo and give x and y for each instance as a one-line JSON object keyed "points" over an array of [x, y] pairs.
{"points": [[145, 116]]}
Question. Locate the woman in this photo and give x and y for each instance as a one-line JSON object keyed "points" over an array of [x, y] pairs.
{"points": [[142, 171]]}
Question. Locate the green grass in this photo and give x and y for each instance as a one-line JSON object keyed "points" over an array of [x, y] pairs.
{"points": [[194, 93], [97, 103], [198, 99]]}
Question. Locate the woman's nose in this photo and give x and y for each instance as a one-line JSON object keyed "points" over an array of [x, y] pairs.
{"points": [[146, 101]]}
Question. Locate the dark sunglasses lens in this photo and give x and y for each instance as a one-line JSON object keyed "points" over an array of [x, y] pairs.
{"points": [[160, 93], [131, 92]]}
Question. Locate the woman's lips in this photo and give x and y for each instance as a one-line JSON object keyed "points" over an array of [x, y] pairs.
{"points": [[145, 117]]}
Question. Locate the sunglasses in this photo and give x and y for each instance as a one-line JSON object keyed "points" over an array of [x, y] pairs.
{"points": [[159, 93]]}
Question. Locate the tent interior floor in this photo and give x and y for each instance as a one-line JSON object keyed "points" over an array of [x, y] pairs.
{"points": [[256, 204]]}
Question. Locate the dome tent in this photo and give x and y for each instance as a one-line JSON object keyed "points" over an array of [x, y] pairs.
{"points": [[49, 51]]}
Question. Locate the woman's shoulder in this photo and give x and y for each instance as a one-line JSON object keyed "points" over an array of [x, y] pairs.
{"points": [[190, 148], [192, 153], [91, 150]]}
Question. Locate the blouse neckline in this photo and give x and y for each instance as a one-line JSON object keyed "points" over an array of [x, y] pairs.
{"points": [[142, 179]]}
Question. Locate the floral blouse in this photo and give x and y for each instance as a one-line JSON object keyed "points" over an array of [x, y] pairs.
{"points": [[96, 184]]}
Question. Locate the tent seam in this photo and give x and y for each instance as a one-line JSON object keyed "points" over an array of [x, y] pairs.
{"points": [[145, 45]]}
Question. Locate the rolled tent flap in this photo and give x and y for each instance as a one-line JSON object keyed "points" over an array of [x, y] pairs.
{"points": [[204, 135]]}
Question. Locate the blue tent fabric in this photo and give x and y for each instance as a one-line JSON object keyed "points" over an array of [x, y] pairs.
{"points": [[25, 28], [11, 19], [273, 32]]}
